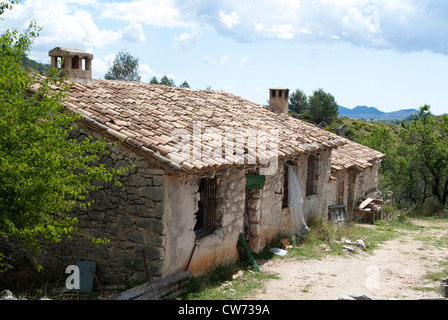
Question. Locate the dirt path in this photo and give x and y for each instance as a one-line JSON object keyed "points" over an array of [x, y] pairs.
{"points": [[395, 270]]}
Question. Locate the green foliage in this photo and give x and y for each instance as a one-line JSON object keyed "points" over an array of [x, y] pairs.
{"points": [[43, 174], [184, 84], [425, 141], [34, 66], [415, 169], [298, 102], [225, 282], [168, 82], [320, 106], [124, 68]]}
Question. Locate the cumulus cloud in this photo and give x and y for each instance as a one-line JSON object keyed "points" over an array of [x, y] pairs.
{"points": [[152, 12], [60, 19], [134, 33], [187, 40], [403, 25], [147, 73], [229, 20]]}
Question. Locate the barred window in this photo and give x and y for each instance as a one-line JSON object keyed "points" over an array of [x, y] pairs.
{"points": [[312, 177], [340, 194], [206, 215], [285, 188]]}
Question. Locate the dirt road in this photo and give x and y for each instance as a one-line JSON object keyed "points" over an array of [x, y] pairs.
{"points": [[396, 270]]}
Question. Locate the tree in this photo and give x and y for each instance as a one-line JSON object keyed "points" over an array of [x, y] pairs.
{"points": [[154, 80], [44, 174], [425, 143], [322, 107], [298, 102], [167, 82], [124, 68], [184, 84]]}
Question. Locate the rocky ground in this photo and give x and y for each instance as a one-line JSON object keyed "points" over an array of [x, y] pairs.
{"points": [[396, 270]]}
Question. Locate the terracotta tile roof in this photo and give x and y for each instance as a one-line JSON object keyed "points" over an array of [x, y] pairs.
{"points": [[353, 154], [145, 117]]}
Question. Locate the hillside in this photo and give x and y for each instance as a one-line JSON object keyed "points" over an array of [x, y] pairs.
{"points": [[372, 113], [35, 66]]}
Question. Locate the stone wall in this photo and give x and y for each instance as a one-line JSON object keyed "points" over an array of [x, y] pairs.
{"points": [[367, 182], [272, 221], [219, 247], [316, 205], [129, 216]]}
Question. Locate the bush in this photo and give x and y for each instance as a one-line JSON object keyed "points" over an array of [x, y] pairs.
{"points": [[431, 208]]}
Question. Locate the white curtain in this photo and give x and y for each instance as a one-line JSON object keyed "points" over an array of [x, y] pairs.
{"points": [[295, 202]]}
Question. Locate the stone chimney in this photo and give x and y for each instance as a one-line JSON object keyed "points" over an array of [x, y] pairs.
{"points": [[75, 64], [279, 100]]}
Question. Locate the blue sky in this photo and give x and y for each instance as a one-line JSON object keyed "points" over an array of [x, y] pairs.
{"points": [[388, 54]]}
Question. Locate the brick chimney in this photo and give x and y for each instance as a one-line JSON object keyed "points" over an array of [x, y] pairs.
{"points": [[75, 64], [279, 100]]}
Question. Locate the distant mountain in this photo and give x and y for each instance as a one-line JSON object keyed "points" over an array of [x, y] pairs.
{"points": [[372, 113]]}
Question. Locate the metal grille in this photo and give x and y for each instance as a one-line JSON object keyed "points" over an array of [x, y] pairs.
{"points": [[206, 215], [285, 188], [340, 194], [312, 176]]}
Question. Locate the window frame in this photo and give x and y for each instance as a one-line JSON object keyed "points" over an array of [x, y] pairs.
{"points": [[206, 216], [312, 177]]}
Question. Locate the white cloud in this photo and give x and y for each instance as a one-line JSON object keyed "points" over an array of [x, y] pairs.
{"points": [[403, 25], [134, 33], [163, 13], [147, 73], [60, 21], [285, 31], [229, 20], [187, 40]]}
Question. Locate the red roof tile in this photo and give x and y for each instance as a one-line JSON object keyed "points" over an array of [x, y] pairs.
{"points": [[146, 116]]}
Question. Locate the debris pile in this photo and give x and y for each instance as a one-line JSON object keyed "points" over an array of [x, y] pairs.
{"points": [[358, 243], [369, 210]]}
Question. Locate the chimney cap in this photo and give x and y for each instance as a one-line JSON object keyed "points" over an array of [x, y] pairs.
{"points": [[67, 52]]}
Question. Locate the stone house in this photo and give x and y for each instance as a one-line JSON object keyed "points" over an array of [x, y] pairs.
{"points": [[354, 176], [205, 166]]}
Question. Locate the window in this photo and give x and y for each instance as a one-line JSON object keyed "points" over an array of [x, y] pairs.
{"points": [[273, 93], [340, 194], [285, 188], [206, 215], [75, 62], [312, 177], [60, 63]]}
